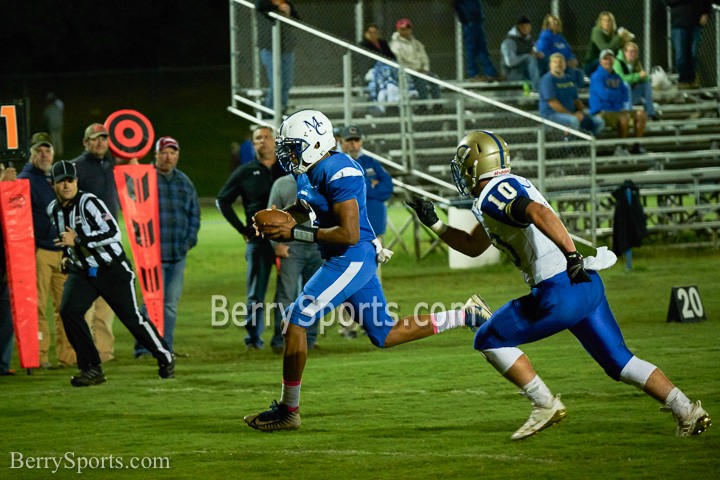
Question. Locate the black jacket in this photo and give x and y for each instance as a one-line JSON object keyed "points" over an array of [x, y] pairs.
{"points": [[252, 183], [687, 13], [629, 221]]}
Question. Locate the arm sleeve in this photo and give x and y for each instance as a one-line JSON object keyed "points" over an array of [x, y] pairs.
{"points": [[598, 37], [508, 49], [632, 77], [542, 44], [384, 188], [228, 194], [570, 55], [193, 218], [104, 229]]}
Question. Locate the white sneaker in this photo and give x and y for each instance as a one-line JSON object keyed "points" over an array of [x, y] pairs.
{"points": [[621, 151], [541, 418], [697, 422]]}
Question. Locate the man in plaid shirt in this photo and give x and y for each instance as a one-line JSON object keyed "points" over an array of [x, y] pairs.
{"points": [[179, 225]]}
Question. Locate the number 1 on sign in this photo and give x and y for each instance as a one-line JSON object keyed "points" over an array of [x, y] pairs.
{"points": [[9, 113]]}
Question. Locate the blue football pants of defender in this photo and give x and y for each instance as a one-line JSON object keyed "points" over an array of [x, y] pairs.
{"points": [[351, 281], [555, 305]]}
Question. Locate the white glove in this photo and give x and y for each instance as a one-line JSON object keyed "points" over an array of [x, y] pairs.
{"points": [[603, 259], [382, 255]]}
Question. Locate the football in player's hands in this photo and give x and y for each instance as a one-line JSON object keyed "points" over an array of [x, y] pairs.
{"points": [[271, 216]]}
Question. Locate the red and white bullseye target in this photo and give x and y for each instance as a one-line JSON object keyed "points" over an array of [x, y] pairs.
{"points": [[131, 134]]}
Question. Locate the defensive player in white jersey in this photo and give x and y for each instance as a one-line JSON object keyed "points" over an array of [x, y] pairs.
{"points": [[566, 291], [331, 192]]}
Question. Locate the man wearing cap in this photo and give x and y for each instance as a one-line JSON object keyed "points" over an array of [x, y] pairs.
{"points": [[252, 183], [519, 57], [48, 256], [179, 225], [95, 175], [97, 267], [410, 53], [610, 98], [378, 183]]}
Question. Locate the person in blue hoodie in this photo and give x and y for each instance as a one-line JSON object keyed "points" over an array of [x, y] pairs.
{"points": [[552, 41], [610, 98]]}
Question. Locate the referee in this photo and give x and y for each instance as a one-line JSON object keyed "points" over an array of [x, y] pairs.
{"points": [[97, 267]]}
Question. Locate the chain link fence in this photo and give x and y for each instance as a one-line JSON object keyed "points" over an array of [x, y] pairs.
{"points": [[321, 67]]}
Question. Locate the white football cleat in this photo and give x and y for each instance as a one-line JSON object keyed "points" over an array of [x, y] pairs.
{"points": [[476, 312], [541, 418], [697, 422]]}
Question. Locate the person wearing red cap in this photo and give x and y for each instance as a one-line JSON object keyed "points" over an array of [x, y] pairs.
{"points": [[179, 225], [410, 53]]}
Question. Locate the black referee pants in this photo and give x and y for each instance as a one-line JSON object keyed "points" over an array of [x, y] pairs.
{"points": [[116, 284]]}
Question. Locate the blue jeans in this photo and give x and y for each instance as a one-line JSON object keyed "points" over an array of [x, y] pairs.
{"points": [[685, 46], [642, 95], [295, 271], [425, 88], [173, 279], [592, 123], [287, 75], [260, 258], [528, 70], [6, 327], [476, 49]]}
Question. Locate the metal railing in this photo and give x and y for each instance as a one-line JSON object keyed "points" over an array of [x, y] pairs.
{"points": [[468, 109]]}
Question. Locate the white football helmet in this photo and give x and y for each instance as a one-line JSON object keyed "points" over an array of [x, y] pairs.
{"points": [[304, 138], [479, 155]]}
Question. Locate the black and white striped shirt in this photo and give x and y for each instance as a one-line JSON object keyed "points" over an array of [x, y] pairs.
{"points": [[100, 237]]}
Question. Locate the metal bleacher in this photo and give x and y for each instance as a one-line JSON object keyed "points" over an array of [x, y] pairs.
{"points": [[679, 176]]}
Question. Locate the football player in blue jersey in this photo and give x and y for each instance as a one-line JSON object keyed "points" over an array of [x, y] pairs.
{"points": [[331, 192], [566, 291]]}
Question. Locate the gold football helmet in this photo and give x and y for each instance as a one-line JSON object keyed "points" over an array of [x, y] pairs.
{"points": [[479, 155]]}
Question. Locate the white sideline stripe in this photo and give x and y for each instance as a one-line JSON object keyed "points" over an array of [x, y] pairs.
{"points": [[424, 454], [346, 172], [330, 292]]}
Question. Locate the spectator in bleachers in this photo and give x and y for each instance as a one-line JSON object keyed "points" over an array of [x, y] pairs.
{"points": [[604, 35], [287, 46], [687, 17], [519, 57], [610, 98], [628, 66], [471, 16], [552, 41], [375, 43], [559, 101], [410, 53], [382, 78]]}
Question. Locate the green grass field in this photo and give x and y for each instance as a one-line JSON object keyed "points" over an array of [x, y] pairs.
{"points": [[432, 409]]}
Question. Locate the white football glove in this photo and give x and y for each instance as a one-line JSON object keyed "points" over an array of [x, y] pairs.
{"points": [[603, 259], [382, 255]]}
